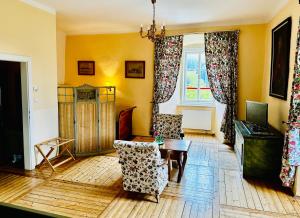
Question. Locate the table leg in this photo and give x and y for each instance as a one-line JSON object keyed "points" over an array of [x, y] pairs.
{"points": [[179, 161], [169, 169], [184, 159]]}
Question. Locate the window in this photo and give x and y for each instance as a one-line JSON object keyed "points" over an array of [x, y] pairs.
{"points": [[196, 88]]}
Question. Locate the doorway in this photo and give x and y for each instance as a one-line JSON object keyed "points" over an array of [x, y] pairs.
{"points": [[11, 118]]}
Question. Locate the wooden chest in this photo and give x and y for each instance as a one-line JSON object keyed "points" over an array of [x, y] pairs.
{"points": [[259, 156]]}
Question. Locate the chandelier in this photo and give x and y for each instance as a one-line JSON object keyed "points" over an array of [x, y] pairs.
{"points": [[151, 31]]}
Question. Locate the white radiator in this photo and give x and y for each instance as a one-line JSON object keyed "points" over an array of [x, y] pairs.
{"points": [[196, 119]]}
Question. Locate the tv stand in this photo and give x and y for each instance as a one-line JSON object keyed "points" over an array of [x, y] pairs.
{"points": [[259, 155]]}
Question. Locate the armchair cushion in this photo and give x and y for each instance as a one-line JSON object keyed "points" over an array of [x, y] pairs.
{"points": [[169, 125], [142, 167]]}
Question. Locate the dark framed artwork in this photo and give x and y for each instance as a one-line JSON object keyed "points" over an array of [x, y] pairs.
{"points": [[86, 68], [280, 66], [135, 69]]}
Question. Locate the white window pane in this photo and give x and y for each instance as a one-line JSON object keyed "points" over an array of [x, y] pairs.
{"points": [[205, 94], [203, 74], [191, 94], [191, 85], [192, 61], [191, 79], [196, 86]]}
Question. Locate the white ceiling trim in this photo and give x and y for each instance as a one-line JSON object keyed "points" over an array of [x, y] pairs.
{"points": [[169, 27], [40, 6]]}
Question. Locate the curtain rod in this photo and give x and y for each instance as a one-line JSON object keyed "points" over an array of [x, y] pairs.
{"points": [[202, 32]]}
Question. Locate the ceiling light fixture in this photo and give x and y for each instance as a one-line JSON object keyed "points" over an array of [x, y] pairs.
{"points": [[151, 31]]}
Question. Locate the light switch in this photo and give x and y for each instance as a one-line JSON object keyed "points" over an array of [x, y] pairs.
{"points": [[35, 88]]}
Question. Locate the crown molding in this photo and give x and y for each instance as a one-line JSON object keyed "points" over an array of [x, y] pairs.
{"points": [[40, 6], [170, 29]]}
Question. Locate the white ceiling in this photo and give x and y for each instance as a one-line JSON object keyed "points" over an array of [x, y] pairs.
{"points": [[116, 16]]}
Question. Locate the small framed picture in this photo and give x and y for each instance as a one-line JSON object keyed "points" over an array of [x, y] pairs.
{"points": [[86, 68], [135, 69]]}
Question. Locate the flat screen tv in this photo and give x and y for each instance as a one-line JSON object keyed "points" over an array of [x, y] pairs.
{"points": [[257, 112]]}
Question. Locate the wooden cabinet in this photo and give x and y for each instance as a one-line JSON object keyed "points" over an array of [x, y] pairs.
{"points": [[259, 156]]}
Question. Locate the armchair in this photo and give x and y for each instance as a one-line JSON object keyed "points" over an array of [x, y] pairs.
{"points": [[169, 126], [142, 167]]}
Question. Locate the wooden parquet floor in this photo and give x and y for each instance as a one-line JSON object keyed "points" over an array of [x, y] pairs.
{"points": [[99, 170], [68, 199], [12, 186], [92, 187]]}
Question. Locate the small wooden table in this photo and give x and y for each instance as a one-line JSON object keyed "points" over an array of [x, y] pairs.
{"points": [[179, 150], [55, 143]]}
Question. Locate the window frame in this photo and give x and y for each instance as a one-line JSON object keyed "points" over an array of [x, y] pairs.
{"points": [[184, 101]]}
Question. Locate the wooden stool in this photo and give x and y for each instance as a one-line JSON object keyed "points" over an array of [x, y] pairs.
{"points": [[55, 143]]}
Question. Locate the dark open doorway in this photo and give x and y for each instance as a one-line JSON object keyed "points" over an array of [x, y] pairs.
{"points": [[11, 123]]}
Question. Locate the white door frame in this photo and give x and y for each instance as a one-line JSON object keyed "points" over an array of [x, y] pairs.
{"points": [[26, 85]]}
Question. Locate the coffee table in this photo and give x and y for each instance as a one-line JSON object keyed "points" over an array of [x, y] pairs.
{"points": [[179, 150]]}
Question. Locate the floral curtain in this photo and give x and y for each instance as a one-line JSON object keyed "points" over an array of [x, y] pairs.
{"points": [[221, 51], [168, 51], [291, 149]]}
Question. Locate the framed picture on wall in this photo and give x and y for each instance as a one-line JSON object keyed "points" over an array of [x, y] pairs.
{"points": [[86, 68], [280, 66], [135, 69]]}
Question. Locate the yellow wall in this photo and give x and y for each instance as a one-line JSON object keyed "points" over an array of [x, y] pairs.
{"points": [[61, 53], [111, 51], [31, 32], [278, 109]]}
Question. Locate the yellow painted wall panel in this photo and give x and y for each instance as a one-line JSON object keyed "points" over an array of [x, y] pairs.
{"points": [[279, 109], [29, 31], [110, 52]]}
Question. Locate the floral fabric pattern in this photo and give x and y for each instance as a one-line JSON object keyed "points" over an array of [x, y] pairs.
{"points": [[168, 52], [291, 148], [221, 51], [169, 125], [142, 167]]}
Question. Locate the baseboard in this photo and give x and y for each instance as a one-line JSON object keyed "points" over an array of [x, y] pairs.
{"points": [[198, 131]]}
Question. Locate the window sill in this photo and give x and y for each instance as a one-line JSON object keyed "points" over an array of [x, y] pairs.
{"points": [[199, 104]]}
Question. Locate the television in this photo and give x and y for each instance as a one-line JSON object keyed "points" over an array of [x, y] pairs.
{"points": [[257, 112]]}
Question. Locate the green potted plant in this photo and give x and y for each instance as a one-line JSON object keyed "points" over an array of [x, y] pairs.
{"points": [[158, 138]]}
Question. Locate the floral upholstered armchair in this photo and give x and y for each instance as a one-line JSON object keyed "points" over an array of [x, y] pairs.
{"points": [[169, 125], [142, 167]]}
